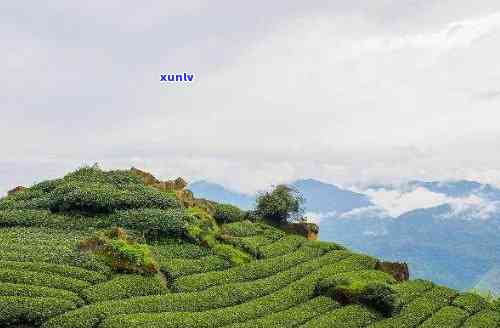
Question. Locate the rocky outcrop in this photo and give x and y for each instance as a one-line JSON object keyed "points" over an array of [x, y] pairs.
{"points": [[399, 271], [306, 229], [15, 190]]}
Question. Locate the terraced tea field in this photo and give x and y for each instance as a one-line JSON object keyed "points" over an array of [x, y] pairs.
{"points": [[285, 280]]}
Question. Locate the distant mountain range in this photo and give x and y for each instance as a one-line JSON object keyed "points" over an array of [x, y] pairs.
{"points": [[449, 233]]}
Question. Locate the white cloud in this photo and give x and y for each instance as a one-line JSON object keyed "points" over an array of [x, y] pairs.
{"points": [[397, 202], [346, 92], [473, 207]]}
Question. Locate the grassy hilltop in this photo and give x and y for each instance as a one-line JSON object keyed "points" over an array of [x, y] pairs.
{"points": [[123, 249]]}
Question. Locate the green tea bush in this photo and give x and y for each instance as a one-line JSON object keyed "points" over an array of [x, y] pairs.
{"points": [[251, 244], [42, 279], [324, 245], [247, 228], [226, 213], [65, 270], [295, 293], [409, 290], [215, 297], [292, 317], [471, 303], [8, 289], [56, 246], [180, 267], [422, 308], [369, 287], [169, 222], [483, 319], [246, 272], [447, 317], [351, 316], [285, 245], [16, 310], [125, 286], [177, 248], [93, 197]]}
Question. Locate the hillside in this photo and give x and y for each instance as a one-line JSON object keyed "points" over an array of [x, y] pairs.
{"points": [[467, 210], [124, 249]]}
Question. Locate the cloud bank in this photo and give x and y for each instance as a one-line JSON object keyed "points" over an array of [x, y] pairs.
{"points": [[350, 92]]}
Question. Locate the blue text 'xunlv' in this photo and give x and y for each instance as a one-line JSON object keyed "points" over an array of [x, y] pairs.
{"points": [[186, 77]]}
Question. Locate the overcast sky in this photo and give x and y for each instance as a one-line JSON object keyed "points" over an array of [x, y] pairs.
{"points": [[350, 92]]}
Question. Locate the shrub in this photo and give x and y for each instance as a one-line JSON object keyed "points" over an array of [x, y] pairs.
{"points": [[42, 279], [15, 310], [323, 245], [285, 245], [215, 297], [447, 317], [177, 248], [409, 290], [420, 309], [8, 289], [293, 316], [251, 271], [295, 293], [226, 213], [121, 253], [169, 222], [125, 286], [351, 316], [280, 204], [247, 229], [94, 197], [180, 267], [471, 303], [65, 270], [483, 319], [251, 244], [369, 287]]}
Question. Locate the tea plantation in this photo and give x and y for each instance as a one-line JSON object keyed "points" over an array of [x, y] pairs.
{"points": [[111, 250]]}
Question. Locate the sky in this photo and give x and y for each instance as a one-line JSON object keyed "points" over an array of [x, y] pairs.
{"points": [[348, 92]]}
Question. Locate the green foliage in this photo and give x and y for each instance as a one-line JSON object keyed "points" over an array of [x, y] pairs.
{"points": [[447, 317], [121, 253], [471, 303], [409, 290], [324, 245], [251, 271], [211, 298], [279, 205], [8, 289], [47, 245], [351, 316], [170, 248], [180, 267], [16, 310], [293, 294], [226, 213], [92, 191], [247, 229], [125, 286], [65, 270], [292, 317], [483, 319], [369, 287], [283, 246], [42, 279], [422, 308]]}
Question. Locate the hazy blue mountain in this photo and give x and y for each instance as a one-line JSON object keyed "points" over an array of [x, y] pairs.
{"points": [[490, 281], [324, 197], [218, 193]]}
